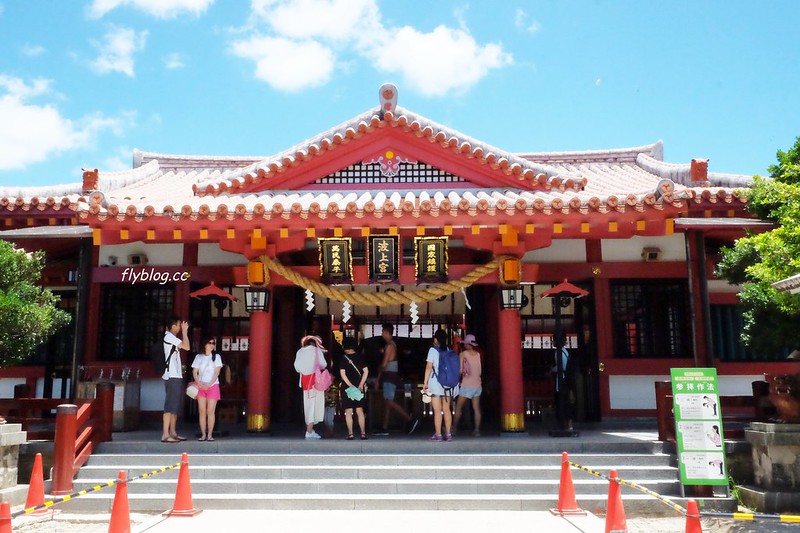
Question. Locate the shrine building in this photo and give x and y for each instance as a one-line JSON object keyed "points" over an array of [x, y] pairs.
{"points": [[390, 217]]}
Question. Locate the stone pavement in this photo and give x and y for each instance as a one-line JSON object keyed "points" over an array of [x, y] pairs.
{"points": [[383, 521]]}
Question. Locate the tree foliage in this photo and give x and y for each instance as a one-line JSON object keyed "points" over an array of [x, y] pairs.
{"points": [[771, 317], [28, 313]]}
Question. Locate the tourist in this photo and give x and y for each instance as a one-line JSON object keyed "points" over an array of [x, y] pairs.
{"points": [[388, 378], [206, 368], [470, 383], [440, 402], [354, 372], [173, 376], [308, 359]]}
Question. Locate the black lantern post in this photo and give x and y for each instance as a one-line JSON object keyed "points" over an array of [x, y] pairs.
{"points": [[562, 295]]}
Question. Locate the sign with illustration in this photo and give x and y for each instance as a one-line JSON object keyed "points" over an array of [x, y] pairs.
{"points": [[383, 258], [336, 260], [698, 426]]}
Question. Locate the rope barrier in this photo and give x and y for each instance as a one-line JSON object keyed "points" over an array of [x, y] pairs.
{"points": [[381, 299], [662, 499], [61, 499], [786, 518]]}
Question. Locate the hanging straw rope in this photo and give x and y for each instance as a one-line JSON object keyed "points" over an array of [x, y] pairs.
{"points": [[381, 299]]}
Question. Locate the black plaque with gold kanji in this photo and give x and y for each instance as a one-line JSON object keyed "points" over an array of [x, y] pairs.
{"points": [[383, 254], [430, 254], [336, 260]]}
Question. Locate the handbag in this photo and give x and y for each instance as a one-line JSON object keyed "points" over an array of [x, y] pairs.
{"points": [[322, 378], [192, 390]]}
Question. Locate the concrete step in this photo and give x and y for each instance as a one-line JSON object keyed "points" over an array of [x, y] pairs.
{"points": [[634, 503], [377, 486], [95, 474], [357, 460]]}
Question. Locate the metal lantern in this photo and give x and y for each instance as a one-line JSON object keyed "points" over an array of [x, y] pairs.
{"points": [[512, 298], [256, 299]]}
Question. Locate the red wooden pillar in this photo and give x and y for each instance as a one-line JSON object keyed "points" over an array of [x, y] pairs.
{"points": [[605, 342], [259, 382], [512, 402], [103, 411]]}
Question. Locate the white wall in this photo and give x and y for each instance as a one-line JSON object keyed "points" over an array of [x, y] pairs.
{"points": [[633, 392], [638, 392], [672, 248], [211, 254], [7, 386], [561, 251], [157, 254]]}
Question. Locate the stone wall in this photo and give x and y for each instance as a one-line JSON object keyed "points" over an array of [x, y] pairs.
{"points": [[11, 437]]}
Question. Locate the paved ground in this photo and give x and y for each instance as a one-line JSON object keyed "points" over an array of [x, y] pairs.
{"points": [[391, 522]]}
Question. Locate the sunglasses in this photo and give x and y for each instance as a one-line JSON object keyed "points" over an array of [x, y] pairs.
{"points": [[211, 342]]}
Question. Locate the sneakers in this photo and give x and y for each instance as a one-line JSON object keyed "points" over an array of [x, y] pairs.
{"points": [[437, 438], [448, 436], [313, 435], [414, 423]]}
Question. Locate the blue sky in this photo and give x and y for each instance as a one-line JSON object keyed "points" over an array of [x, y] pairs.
{"points": [[82, 83]]}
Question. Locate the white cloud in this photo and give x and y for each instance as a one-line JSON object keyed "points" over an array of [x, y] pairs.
{"points": [[173, 61], [521, 22], [32, 50], [434, 63], [288, 65], [40, 131], [117, 50], [163, 9], [439, 62], [336, 20], [120, 159], [597, 82]]}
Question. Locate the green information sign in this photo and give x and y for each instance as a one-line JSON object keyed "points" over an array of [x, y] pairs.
{"points": [[698, 426]]}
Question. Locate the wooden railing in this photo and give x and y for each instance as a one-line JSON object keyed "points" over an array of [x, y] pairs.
{"points": [[736, 410], [75, 430]]}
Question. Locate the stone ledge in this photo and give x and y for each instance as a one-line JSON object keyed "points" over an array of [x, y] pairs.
{"points": [[10, 428], [770, 501], [13, 439], [14, 495], [763, 434]]}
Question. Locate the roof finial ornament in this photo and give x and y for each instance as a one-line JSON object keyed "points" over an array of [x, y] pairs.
{"points": [[387, 95]]}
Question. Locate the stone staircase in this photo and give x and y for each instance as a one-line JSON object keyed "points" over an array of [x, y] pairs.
{"points": [[492, 473]]}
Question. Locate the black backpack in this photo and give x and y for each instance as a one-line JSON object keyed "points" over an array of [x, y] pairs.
{"points": [[157, 356]]}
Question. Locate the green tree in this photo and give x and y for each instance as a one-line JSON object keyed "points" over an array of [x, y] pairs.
{"points": [[758, 260], [28, 314]]}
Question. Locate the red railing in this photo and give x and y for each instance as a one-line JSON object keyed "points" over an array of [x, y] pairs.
{"points": [[76, 429]]}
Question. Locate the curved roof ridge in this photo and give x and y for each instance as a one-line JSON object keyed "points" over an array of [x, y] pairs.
{"points": [[654, 150], [111, 181], [42, 191], [677, 172], [141, 157]]}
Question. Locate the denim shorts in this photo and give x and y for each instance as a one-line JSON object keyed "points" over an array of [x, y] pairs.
{"points": [[389, 390]]}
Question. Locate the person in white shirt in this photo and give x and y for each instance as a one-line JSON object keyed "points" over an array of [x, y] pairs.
{"points": [[205, 370], [308, 359], [173, 376]]}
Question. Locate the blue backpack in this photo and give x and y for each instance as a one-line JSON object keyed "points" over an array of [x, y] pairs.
{"points": [[448, 373]]}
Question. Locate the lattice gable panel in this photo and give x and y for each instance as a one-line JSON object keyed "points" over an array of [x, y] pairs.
{"points": [[402, 174]]}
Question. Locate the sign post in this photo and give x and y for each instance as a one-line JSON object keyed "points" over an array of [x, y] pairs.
{"points": [[698, 426]]}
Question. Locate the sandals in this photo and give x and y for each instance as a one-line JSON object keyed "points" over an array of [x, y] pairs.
{"points": [[364, 436], [210, 439], [178, 438], [170, 440], [350, 437], [201, 439]]}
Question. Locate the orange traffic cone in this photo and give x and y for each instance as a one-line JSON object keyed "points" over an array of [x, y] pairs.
{"points": [[566, 492], [615, 512], [5, 517], [36, 488], [120, 512], [183, 495], [693, 524]]}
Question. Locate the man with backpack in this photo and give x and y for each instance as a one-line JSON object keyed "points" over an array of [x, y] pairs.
{"points": [[442, 374], [172, 374]]}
